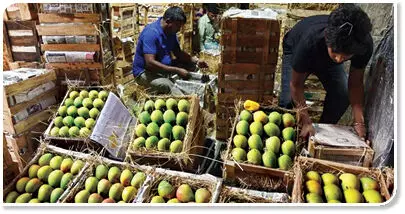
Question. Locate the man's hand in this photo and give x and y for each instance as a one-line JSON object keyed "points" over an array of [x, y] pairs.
{"points": [[202, 64], [360, 129], [307, 131], [183, 73]]}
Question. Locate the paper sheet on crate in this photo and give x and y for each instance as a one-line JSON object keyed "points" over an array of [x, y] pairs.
{"points": [[337, 135], [266, 13], [112, 126]]}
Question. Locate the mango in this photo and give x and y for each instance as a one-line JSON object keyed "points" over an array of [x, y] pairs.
{"points": [[144, 117], [157, 199], [246, 115], [55, 162], [240, 141], [260, 116], [368, 183], [165, 130], [108, 200], [116, 191], [176, 146], [184, 193], [273, 144], [275, 117], [45, 159], [171, 104], [103, 187], [101, 171], [239, 155], [334, 201], [43, 173], [151, 142], [163, 145], [91, 184], [152, 129], [66, 165], [332, 192], [66, 180], [256, 128], [349, 181], [23, 198], [114, 174], [138, 143], [126, 177], [55, 195], [255, 142], [82, 196], [202, 195], [76, 167], [166, 190], [269, 159], [129, 194], [149, 106], [329, 178], [55, 178], [313, 187], [242, 127], [21, 183], [251, 105], [44, 193], [313, 175], [34, 200], [288, 120], [313, 198], [157, 117], [140, 130], [173, 200], [170, 116], [33, 170], [178, 132], [138, 180], [183, 105], [372, 196], [182, 119], [288, 148], [288, 134], [33, 185], [271, 129], [254, 157], [11, 197], [353, 196], [95, 198], [285, 162]]}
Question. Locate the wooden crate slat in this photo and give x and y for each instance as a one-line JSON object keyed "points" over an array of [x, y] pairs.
{"points": [[73, 65], [69, 18], [28, 123], [67, 30], [23, 41], [21, 106], [28, 57], [31, 83], [70, 47]]}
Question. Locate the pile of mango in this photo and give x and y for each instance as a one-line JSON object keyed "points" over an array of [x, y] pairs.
{"points": [[167, 193]]}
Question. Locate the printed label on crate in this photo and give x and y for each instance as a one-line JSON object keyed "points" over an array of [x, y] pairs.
{"points": [[337, 135], [112, 126]]}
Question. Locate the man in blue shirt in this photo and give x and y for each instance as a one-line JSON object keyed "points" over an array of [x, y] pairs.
{"points": [[153, 63]]}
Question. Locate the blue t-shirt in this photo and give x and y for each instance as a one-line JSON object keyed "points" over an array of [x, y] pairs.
{"points": [[154, 41]]}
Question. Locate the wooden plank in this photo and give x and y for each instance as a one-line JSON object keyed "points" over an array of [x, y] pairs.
{"points": [[77, 65], [67, 30], [30, 83], [24, 41], [32, 121], [70, 47], [21, 106], [69, 18]]}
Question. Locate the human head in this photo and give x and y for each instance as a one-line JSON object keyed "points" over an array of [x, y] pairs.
{"points": [[213, 11], [347, 32], [174, 19]]}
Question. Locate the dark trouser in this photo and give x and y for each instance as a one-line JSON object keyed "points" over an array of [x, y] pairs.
{"points": [[333, 79]]}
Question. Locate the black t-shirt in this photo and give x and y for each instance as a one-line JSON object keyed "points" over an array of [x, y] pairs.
{"points": [[306, 42]]}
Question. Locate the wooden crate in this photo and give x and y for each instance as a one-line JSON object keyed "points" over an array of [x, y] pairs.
{"points": [[250, 41], [21, 12], [242, 173], [22, 87], [186, 41], [23, 40], [125, 20], [305, 164], [193, 143], [90, 172], [124, 50], [22, 64], [55, 151], [176, 178], [340, 151]]}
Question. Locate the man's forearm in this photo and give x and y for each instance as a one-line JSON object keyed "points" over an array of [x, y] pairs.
{"points": [[356, 94], [159, 67], [297, 93]]}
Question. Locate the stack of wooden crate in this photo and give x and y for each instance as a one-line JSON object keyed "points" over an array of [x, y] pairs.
{"points": [[249, 58], [70, 30], [20, 40], [125, 31], [10, 166], [185, 35], [26, 109]]}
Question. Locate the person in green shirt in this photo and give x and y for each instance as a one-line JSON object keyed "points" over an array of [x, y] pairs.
{"points": [[208, 28]]}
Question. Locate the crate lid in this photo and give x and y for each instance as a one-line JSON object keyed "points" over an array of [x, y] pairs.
{"points": [[337, 135]]}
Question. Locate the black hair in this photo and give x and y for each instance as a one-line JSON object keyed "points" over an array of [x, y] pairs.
{"points": [[175, 14], [213, 8], [348, 30]]}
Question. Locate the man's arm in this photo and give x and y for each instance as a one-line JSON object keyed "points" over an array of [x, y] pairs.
{"points": [[153, 65], [356, 94], [297, 93]]}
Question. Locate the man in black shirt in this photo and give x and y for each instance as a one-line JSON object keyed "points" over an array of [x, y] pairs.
{"points": [[319, 45]]}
